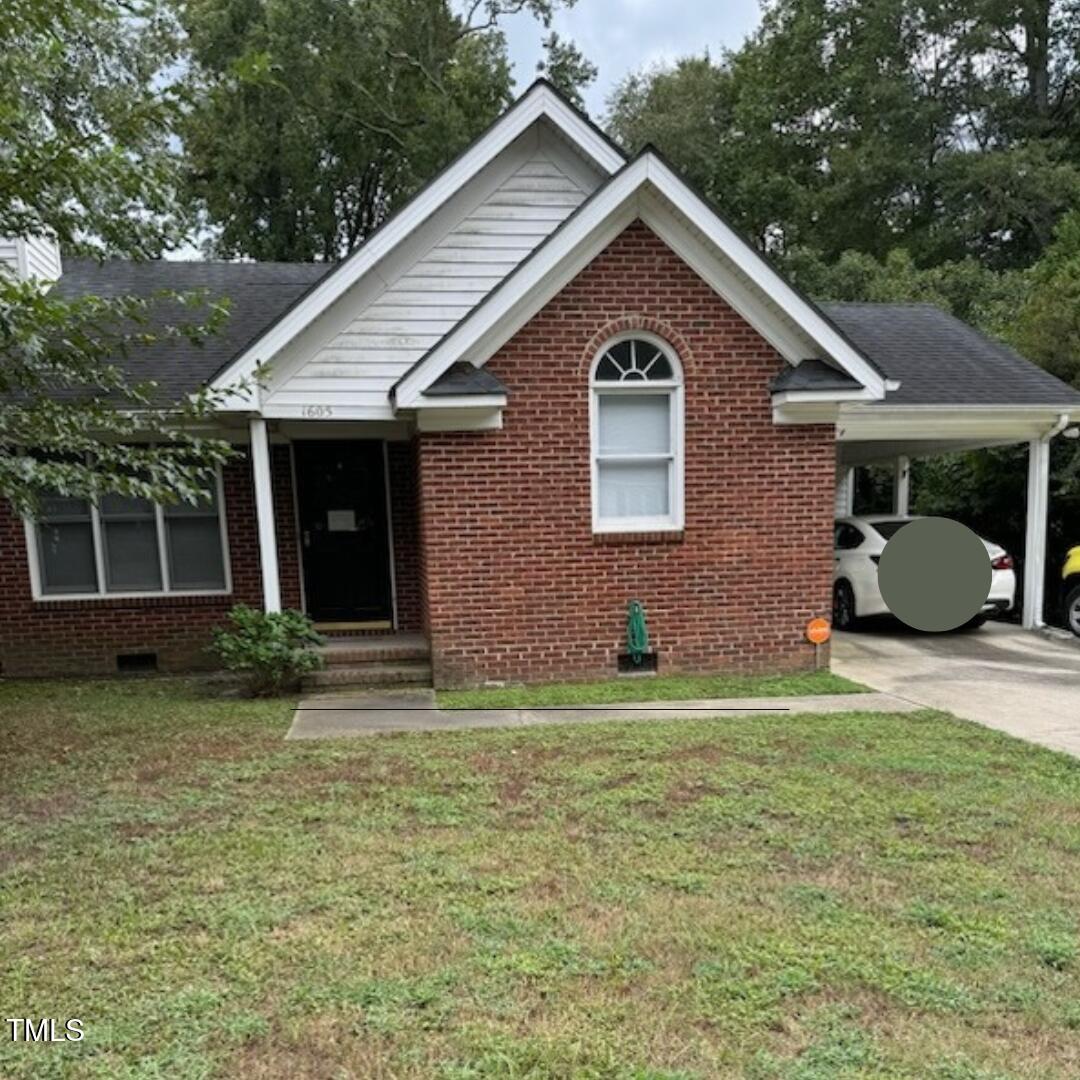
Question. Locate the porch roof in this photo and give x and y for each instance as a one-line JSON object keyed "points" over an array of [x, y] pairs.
{"points": [[940, 360]]}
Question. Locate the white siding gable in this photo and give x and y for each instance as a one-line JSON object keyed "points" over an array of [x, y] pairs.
{"points": [[9, 252], [392, 321], [42, 258], [32, 257]]}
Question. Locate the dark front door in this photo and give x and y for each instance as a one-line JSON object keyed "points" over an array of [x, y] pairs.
{"points": [[341, 492]]}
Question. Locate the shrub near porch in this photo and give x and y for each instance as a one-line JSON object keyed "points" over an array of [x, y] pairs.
{"points": [[773, 897]]}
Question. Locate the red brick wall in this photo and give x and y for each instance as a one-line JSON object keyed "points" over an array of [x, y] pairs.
{"points": [[518, 587], [67, 637]]}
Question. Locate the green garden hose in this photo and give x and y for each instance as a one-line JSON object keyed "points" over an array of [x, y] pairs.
{"points": [[637, 633]]}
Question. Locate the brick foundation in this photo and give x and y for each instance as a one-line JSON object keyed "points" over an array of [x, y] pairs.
{"points": [[517, 587]]}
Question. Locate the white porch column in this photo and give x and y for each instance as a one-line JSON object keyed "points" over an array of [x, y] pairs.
{"points": [[1038, 505], [902, 487], [264, 514]]}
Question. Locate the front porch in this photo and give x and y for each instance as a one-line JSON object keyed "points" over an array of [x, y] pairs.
{"points": [[337, 528]]}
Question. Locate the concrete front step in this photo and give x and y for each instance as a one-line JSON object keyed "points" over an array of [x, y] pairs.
{"points": [[352, 652], [390, 673]]}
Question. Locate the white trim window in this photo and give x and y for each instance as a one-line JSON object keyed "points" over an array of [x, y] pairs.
{"points": [[636, 422], [123, 546]]}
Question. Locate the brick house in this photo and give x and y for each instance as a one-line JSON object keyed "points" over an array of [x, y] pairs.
{"points": [[556, 381]]}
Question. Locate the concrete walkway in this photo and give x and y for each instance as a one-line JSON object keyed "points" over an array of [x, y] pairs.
{"points": [[332, 716], [1023, 683]]}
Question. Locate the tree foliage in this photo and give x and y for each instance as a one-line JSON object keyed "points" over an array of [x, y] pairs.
{"points": [[945, 126], [968, 288], [85, 123], [566, 68], [312, 120], [1047, 323]]}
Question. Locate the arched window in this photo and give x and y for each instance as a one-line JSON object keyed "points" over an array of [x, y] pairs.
{"points": [[636, 419]]}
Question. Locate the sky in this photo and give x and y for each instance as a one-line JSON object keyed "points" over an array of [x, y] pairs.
{"points": [[620, 36]]}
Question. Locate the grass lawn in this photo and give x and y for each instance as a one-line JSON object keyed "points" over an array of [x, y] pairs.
{"points": [[766, 897], [660, 688]]}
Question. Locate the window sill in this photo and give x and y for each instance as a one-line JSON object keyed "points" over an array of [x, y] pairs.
{"points": [[129, 600], [614, 539]]}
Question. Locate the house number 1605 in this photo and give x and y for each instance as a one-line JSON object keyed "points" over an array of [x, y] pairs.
{"points": [[317, 412]]}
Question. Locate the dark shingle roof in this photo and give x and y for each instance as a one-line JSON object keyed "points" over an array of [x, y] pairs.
{"points": [[814, 375], [258, 293], [941, 360], [937, 358], [465, 379]]}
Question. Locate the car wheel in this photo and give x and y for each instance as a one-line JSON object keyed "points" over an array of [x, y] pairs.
{"points": [[843, 606], [1072, 610]]}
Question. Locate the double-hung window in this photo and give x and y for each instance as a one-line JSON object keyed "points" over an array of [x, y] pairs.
{"points": [[637, 436], [128, 546]]}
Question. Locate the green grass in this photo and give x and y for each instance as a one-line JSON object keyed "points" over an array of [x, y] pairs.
{"points": [[776, 898], [660, 688]]}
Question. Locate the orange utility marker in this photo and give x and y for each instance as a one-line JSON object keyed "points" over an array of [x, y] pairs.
{"points": [[818, 631]]}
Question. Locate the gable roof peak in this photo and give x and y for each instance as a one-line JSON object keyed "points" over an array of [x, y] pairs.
{"points": [[541, 101], [647, 187]]}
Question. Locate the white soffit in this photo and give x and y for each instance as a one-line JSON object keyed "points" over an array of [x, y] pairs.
{"points": [[864, 423]]}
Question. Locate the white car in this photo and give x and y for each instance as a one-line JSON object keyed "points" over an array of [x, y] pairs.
{"points": [[859, 542]]}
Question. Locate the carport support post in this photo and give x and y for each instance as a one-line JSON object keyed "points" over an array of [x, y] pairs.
{"points": [[902, 487], [845, 500], [264, 514], [1038, 505]]}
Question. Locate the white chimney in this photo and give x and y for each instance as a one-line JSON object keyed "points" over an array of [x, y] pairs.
{"points": [[35, 257]]}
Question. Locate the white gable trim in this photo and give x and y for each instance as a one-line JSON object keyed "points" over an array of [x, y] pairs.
{"points": [[475, 418], [781, 332], [539, 102], [566, 252], [771, 284], [792, 324]]}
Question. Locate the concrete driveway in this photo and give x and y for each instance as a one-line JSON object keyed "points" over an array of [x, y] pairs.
{"points": [[1014, 680]]}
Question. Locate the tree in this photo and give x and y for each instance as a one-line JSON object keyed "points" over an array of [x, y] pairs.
{"points": [[85, 125], [1047, 325], [943, 126], [968, 289], [566, 68], [708, 118], [312, 120]]}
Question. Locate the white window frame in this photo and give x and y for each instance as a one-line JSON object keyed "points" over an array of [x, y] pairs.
{"points": [[672, 521], [33, 552]]}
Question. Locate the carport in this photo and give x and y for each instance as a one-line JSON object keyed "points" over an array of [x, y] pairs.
{"points": [[949, 388]]}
